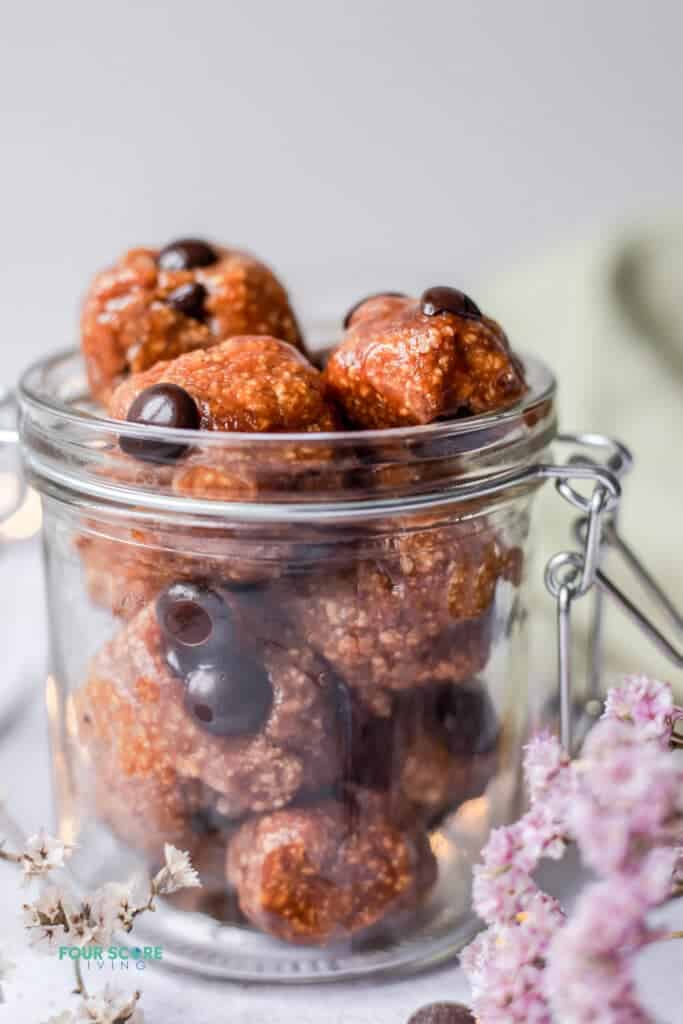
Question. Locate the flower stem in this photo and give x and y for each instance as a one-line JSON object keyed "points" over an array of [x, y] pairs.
{"points": [[149, 905], [81, 990]]}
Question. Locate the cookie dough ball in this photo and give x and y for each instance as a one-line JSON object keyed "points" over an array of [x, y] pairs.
{"points": [[144, 804], [249, 385], [156, 304], [126, 567], [178, 700], [318, 875], [418, 611], [405, 363], [436, 749]]}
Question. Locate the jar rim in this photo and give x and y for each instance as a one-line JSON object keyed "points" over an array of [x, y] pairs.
{"points": [[53, 400], [543, 387]]}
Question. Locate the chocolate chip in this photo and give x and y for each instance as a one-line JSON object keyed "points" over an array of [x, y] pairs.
{"points": [[375, 295], [201, 824], [442, 299], [466, 713], [229, 702], [188, 299], [188, 624], [376, 749], [186, 253], [209, 821], [196, 624], [161, 405], [443, 1013], [345, 726]]}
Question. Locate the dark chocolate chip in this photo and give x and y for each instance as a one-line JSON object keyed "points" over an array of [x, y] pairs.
{"points": [[201, 824], [209, 821], [442, 299], [188, 299], [196, 624], [443, 1013], [376, 750], [375, 295], [466, 713], [229, 702], [188, 624], [186, 253], [345, 726], [161, 405]]}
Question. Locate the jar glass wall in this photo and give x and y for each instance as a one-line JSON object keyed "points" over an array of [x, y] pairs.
{"points": [[314, 682]]}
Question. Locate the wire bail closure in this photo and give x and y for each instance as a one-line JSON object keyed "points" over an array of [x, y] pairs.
{"points": [[570, 575]]}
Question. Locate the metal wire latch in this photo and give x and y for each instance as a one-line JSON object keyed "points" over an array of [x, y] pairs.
{"points": [[571, 575]]}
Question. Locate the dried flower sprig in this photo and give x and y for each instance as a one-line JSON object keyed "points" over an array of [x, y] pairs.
{"points": [[177, 873], [57, 918], [108, 1007], [621, 802], [41, 855]]}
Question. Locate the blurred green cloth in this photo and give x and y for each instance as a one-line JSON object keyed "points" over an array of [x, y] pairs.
{"points": [[607, 315]]}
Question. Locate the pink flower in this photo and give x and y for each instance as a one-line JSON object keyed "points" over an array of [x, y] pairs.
{"points": [[588, 978], [505, 964], [646, 704], [502, 884], [542, 834], [655, 878], [622, 803], [544, 763], [500, 897], [628, 797]]}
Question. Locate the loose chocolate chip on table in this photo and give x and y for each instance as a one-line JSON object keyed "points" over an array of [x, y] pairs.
{"points": [[196, 625], [231, 701], [449, 300], [186, 253], [375, 295], [443, 1013], [188, 299], [161, 405]]}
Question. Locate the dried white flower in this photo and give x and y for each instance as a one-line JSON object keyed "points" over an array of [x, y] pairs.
{"points": [[43, 853], [177, 872], [112, 907], [66, 1017], [83, 929], [111, 1007], [57, 918], [48, 919]]}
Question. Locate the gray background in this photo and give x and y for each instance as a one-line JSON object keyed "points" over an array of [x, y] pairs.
{"points": [[356, 144]]}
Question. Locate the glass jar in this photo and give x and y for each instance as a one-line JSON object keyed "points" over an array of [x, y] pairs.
{"points": [[299, 657]]}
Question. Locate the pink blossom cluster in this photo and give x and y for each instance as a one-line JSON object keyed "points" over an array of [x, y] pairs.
{"points": [[621, 802]]}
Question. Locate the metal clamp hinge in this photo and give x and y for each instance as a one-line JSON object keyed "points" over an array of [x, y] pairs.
{"points": [[571, 575]]}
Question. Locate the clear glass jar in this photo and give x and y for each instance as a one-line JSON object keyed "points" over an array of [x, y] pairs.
{"points": [[299, 657]]}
